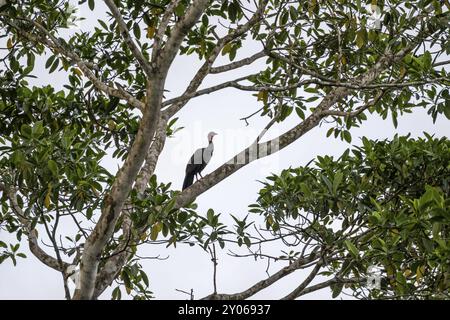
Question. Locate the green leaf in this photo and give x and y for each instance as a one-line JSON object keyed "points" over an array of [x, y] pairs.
{"points": [[157, 227], [427, 60], [226, 48], [336, 290], [103, 24], [232, 11], [311, 7], [447, 110], [233, 52], [89, 213], [137, 30], [328, 183], [30, 60], [144, 277], [38, 129], [179, 10], [293, 13], [360, 38], [53, 166], [26, 130], [347, 136], [337, 181], [300, 113], [116, 294], [330, 132], [305, 189], [54, 66], [91, 4], [401, 282], [210, 216], [50, 61], [47, 202], [351, 247], [126, 279]]}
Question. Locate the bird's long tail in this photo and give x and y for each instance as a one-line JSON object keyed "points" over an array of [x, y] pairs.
{"points": [[188, 180]]}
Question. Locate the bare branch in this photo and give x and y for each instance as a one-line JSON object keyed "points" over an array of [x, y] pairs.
{"points": [[213, 255], [441, 63], [361, 109], [237, 64], [266, 128], [186, 96], [348, 85], [294, 294], [328, 283]]}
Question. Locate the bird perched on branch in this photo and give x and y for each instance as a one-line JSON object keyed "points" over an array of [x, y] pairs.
{"points": [[198, 162]]}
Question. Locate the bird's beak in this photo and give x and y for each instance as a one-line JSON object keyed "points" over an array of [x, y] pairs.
{"points": [[215, 134]]}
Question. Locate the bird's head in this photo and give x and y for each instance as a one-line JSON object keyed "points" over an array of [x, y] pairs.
{"points": [[211, 136]]}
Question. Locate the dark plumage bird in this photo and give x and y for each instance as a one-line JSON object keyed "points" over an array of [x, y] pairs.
{"points": [[198, 162]]}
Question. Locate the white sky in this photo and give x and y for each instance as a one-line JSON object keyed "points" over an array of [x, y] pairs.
{"points": [[189, 267]]}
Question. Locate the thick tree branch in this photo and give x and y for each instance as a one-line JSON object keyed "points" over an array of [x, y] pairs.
{"points": [[152, 157], [298, 264], [118, 259], [165, 56], [114, 264], [294, 294], [328, 283], [126, 176]]}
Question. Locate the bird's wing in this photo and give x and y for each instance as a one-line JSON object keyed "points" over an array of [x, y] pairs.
{"points": [[197, 157], [207, 154], [195, 161]]}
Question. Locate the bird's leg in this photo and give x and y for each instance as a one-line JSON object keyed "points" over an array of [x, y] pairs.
{"points": [[196, 178], [200, 175]]}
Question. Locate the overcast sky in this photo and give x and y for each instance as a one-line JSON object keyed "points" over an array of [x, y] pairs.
{"points": [[189, 267]]}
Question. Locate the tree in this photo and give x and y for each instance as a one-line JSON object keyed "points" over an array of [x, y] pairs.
{"points": [[379, 211], [322, 59]]}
